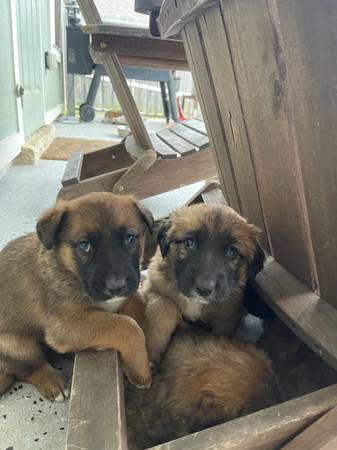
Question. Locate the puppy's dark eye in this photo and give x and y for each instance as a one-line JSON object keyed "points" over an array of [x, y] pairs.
{"points": [[130, 240], [190, 243], [84, 247], [231, 252]]}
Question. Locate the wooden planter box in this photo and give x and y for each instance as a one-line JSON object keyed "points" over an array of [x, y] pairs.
{"points": [[266, 76]]}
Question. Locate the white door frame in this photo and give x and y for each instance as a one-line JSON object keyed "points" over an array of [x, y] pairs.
{"points": [[11, 145]]}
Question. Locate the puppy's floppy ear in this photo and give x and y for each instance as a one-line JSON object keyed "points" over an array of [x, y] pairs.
{"points": [[146, 216], [162, 238], [257, 263], [50, 224]]}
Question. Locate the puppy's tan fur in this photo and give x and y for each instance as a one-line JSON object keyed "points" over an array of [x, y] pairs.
{"points": [[166, 305], [43, 302], [203, 381]]}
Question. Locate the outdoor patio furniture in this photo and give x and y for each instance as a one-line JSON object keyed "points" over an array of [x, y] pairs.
{"points": [[173, 157]]}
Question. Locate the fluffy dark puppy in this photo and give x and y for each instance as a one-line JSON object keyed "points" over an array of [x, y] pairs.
{"points": [[203, 380], [206, 255], [60, 285]]}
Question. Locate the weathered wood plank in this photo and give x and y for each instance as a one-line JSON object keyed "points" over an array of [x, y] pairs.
{"points": [[72, 174], [193, 137], [263, 89], [175, 15], [196, 125], [115, 73], [168, 174], [164, 175], [312, 319], [149, 47], [207, 97], [96, 411], [162, 149], [214, 197], [106, 160], [221, 70], [101, 183], [176, 142], [320, 434], [264, 430], [309, 32], [155, 63]]}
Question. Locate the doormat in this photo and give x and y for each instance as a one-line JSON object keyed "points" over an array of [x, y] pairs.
{"points": [[62, 147]]}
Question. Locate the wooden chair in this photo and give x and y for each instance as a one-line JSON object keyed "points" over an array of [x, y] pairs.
{"points": [[144, 164]]}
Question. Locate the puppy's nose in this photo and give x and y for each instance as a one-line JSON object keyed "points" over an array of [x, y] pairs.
{"points": [[115, 286], [205, 287]]}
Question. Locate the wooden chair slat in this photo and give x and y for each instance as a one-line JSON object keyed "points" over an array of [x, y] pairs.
{"points": [[188, 134], [72, 174], [196, 125], [161, 148], [177, 143]]}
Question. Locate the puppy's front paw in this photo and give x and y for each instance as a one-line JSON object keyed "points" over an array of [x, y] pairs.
{"points": [[142, 381], [50, 382], [137, 368]]}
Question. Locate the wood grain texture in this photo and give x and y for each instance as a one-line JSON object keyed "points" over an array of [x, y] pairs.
{"points": [[312, 319], [309, 31], [208, 103], [96, 410], [154, 63], [162, 149], [106, 160], [168, 174], [101, 183], [193, 137], [221, 71], [196, 125], [114, 71], [72, 174], [178, 144], [265, 430], [320, 434], [174, 15], [163, 176], [263, 88], [149, 47]]}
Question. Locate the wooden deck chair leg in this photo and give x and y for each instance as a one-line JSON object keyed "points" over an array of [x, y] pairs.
{"points": [[117, 78]]}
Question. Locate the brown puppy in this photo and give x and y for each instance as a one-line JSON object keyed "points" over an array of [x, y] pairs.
{"points": [[206, 255], [59, 286], [203, 380]]}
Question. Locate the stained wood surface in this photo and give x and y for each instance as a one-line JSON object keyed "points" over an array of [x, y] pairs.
{"points": [[96, 418], [263, 89], [176, 142], [265, 430], [322, 434], [114, 70], [193, 137], [174, 15], [168, 174], [155, 63], [309, 317], [163, 150], [149, 47], [214, 40], [107, 160], [163, 176], [100, 183], [72, 174], [310, 29], [213, 123], [135, 173], [196, 125]]}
